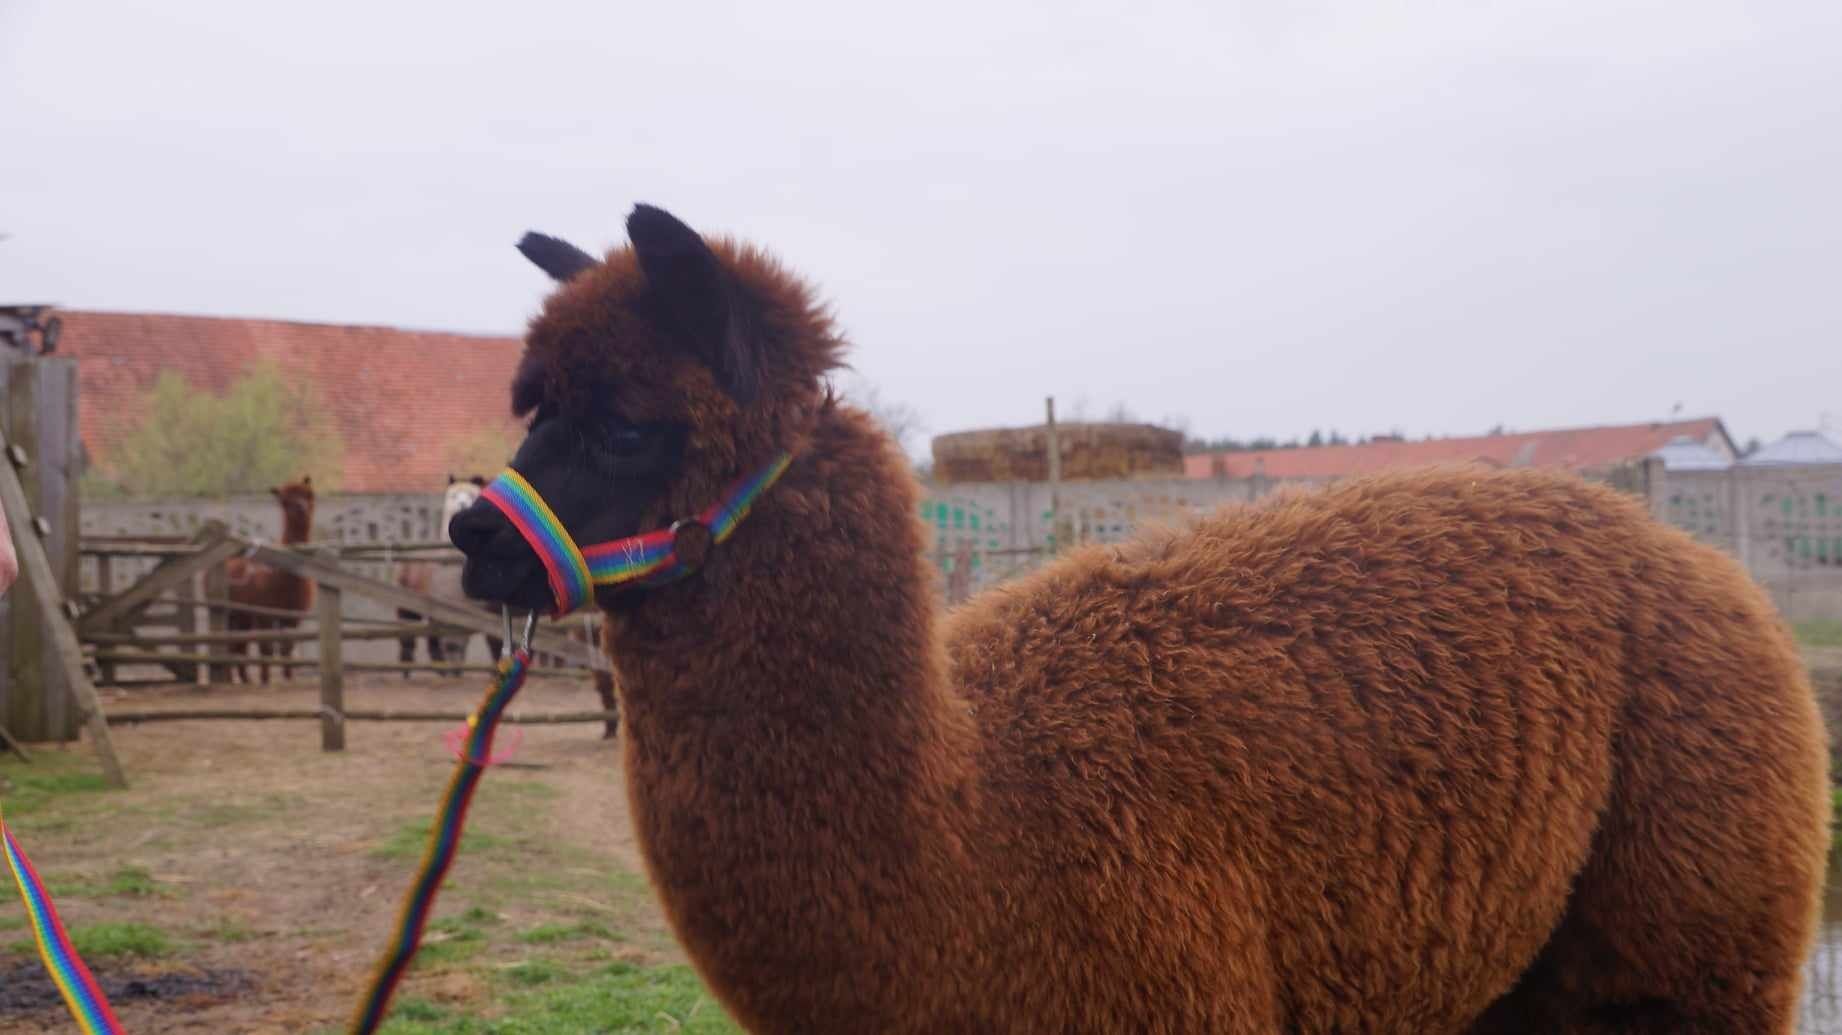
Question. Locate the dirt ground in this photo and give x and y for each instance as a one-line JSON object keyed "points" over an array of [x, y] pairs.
{"points": [[272, 871]]}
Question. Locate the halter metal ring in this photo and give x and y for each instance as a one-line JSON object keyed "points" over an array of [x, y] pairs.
{"points": [[694, 549]]}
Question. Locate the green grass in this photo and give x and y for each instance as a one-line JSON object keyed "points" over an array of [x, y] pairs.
{"points": [[125, 881], [50, 776], [229, 931], [534, 972], [132, 880], [619, 999], [454, 939], [410, 840], [1820, 633], [550, 934], [109, 940]]}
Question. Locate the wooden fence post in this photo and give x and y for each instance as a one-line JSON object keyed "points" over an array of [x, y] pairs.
{"points": [[38, 416], [187, 622], [54, 614], [332, 665], [217, 620], [105, 585]]}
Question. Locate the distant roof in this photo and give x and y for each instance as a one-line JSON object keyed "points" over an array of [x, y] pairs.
{"points": [[1798, 447], [1683, 453], [401, 398], [1570, 448]]}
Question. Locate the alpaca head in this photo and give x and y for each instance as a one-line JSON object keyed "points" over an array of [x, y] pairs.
{"points": [[296, 500], [652, 379], [459, 495]]}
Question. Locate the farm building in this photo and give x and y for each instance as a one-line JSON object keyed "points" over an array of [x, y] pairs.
{"points": [[1589, 450], [1797, 449], [405, 403]]}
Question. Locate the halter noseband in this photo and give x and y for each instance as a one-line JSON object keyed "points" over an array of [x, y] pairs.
{"points": [[650, 559]]}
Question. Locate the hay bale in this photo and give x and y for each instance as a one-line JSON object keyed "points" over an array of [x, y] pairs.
{"points": [[1089, 451]]}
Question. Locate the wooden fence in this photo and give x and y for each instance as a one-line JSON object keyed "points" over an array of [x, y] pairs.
{"points": [[128, 629]]}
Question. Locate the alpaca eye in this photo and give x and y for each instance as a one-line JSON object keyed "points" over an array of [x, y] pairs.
{"points": [[627, 441]]}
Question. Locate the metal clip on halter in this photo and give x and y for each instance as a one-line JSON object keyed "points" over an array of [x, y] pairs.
{"points": [[530, 631]]}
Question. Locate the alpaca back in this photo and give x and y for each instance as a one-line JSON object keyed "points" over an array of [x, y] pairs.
{"points": [[1366, 734]]}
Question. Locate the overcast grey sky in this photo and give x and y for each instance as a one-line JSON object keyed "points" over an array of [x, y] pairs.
{"points": [[1260, 217]]}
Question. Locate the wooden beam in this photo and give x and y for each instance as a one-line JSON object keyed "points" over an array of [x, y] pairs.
{"points": [[332, 670], [215, 547], [450, 668], [217, 586], [354, 715], [547, 640], [44, 586], [387, 632], [13, 745]]}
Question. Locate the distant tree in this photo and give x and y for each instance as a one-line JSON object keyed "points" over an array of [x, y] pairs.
{"points": [[484, 451], [1316, 439], [899, 419], [1753, 445], [262, 432], [1121, 414]]}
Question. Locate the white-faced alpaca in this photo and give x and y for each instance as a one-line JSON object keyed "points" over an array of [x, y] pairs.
{"points": [[1433, 753], [438, 580], [450, 644]]}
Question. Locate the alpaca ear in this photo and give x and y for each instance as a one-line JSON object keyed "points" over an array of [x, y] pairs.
{"points": [[307, 480], [451, 478], [554, 255], [695, 298], [478, 480], [275, 492]]}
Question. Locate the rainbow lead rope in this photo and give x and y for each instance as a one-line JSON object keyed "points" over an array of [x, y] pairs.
{"points": [[74, 980], [443, 840]]}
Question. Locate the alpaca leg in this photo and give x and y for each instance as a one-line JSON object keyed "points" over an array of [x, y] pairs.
{"points": [[1694, 912], [287, 655], [266, 649], [237, 623], [604, 688], [406, 646]]}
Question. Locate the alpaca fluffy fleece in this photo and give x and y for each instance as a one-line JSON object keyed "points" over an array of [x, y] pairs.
{"points": [[1440, 752]]}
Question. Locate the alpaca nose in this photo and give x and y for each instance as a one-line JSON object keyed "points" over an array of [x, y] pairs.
{"points": [[475, 527]]}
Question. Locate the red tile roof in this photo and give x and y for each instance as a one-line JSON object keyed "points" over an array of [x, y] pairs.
{"points": [[402, 399], [1572, 448]]}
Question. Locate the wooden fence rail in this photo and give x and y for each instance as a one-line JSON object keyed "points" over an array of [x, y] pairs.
{"points": [[114, 634], [382, 632], [123, 718], [133, 657]]}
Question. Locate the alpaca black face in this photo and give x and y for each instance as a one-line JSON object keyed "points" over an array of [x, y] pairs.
{"points": [[599, 474], [600, 471]]}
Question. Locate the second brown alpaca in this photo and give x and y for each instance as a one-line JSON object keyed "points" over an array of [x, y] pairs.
{"points": [[261, 585]]}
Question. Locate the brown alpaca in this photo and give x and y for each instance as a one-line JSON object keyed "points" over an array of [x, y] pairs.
{"points": [[263, 586], [1446, 752]]}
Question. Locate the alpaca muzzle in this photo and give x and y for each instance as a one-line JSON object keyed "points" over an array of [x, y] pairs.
{"points": [[650, 559]]}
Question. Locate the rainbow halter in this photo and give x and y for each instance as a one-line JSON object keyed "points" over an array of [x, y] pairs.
{"points": [[650, 559]]}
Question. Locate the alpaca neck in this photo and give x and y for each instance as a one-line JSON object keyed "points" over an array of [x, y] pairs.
{"points": [[296, 529], [788, 720]]}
